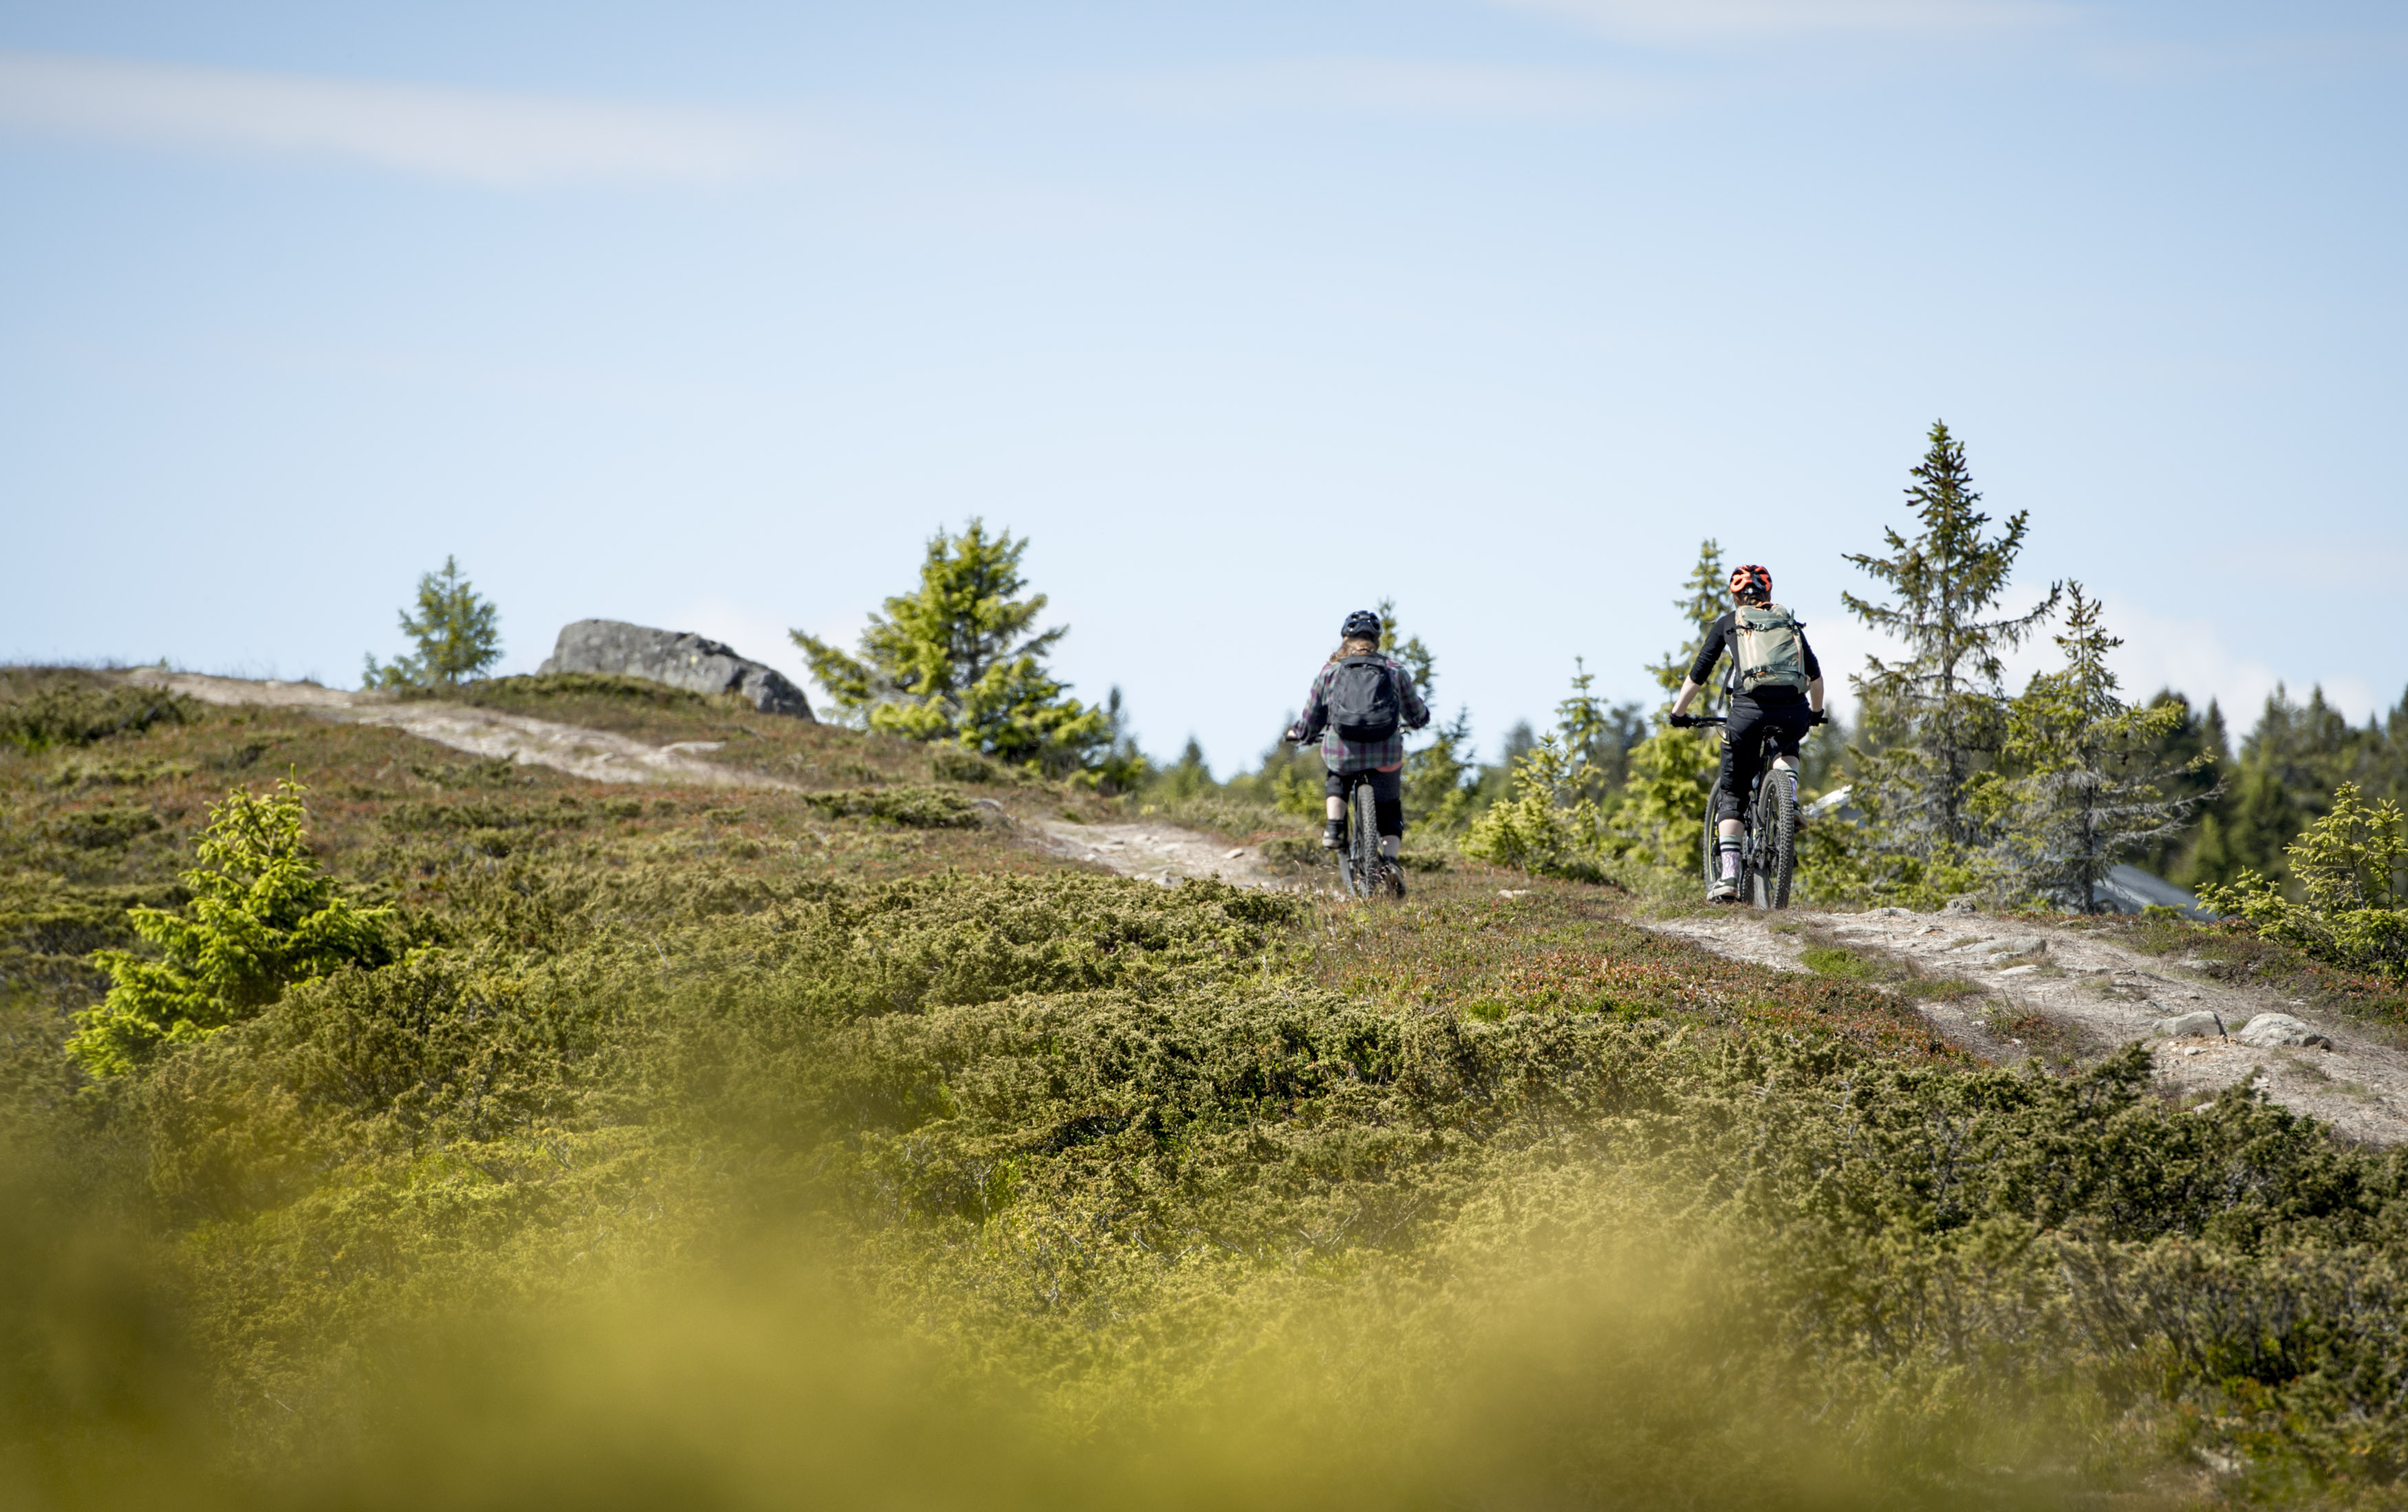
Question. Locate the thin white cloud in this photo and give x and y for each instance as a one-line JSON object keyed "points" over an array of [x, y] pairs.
{"points": [[1735, 21], [475, 136], [1402, 87]]}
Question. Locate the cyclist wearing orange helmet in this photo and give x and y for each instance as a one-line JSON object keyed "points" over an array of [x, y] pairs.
{"points": [[1779, 695]]}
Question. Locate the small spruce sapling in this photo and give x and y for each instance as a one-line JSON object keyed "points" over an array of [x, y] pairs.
{"points": [[2352, 865], [458, 635], [957, 660], [264, 915]]}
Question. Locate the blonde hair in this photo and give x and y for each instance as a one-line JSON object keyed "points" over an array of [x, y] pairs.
{"points": [[1355, 646]]}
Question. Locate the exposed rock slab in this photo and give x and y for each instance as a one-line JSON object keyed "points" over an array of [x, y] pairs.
{"points": [[2354, 1078], [676, 657], [595, 755], [1158, 852]]}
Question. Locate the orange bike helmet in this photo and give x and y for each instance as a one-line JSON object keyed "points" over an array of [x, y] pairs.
{"points": [[1750, 581]]}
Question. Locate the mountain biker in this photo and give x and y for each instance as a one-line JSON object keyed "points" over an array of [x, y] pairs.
{"points": [[1764, 700], [1360, 707]]}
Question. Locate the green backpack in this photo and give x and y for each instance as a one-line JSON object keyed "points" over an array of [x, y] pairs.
{"points": [[1765, 650]]}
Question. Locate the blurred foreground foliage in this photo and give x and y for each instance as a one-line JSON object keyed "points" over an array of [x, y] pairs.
{"points": [[742, 1149]]}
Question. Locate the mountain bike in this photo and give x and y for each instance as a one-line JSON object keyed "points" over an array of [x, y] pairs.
{"points": [[1768, 843], [1367, 874]]}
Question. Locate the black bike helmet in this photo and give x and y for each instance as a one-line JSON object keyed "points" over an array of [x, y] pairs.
{"points": [[1361, 623]]}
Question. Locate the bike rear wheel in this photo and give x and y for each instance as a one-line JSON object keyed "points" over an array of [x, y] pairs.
{"points": [[1776, 836], [1363, 844]]}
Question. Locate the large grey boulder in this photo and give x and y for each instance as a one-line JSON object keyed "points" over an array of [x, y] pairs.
{"points": [[2276, 1031], [2197, 1025], [676, 657]]}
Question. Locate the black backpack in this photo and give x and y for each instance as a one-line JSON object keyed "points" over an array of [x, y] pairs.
{"points": [[1363, 702]]}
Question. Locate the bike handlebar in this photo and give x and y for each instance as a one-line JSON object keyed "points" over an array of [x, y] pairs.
{"points": [[1693, 722]]}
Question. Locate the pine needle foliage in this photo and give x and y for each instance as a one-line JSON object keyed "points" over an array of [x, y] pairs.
{"points": [[263, 915], [1441, 782], [1671, 771], [1548, 826], [957, 660], [2080, 786], [1705, 598], [1936, 715], [458, 635]]}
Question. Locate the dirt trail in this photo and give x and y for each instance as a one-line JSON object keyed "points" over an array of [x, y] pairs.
{"points": [[594, 755], [2107, 994], [1157, 852]]}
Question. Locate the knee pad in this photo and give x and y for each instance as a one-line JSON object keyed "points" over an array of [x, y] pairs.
{"points": [[1390, 813]]}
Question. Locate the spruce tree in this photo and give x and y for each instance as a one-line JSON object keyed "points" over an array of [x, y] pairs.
{"points": [[458, 635], [2080, 784], [1668, 776], [957, 661], [1936, 715], [1705, 598], [1439, 778]]}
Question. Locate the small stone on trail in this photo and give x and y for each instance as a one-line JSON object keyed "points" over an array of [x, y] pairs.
{"points": [[1895, 913], [2018, 971], [1235, 854], [2186, 1025], [2029, 945], [2273, 1031]]}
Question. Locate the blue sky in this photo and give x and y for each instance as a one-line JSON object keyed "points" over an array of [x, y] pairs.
{"points": [[707, 315]]}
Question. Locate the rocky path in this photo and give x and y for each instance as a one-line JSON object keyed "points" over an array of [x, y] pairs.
{"points": [[2104, 994], [595, 755]]}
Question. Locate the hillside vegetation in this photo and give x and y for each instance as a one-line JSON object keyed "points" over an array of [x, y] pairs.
{"points": [[834, 1146]]}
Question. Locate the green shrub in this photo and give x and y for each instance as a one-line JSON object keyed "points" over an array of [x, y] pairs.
{"points": [[531, 691], [2356, 910], [914, 806], [103, 826], [77, 713], [262, 915], [1830, 961], [1543, 827]]}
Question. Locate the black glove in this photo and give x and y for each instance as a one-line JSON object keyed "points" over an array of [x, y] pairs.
{"points": [[1685, 721], [1821, 717]]}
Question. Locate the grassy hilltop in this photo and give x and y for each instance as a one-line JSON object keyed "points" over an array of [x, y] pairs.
{"points": [[834, 1144]]}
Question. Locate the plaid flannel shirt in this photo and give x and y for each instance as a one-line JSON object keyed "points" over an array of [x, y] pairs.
{"points": [[1361, 755]]}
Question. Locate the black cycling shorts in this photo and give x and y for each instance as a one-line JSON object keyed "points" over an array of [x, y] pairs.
{"points": [[1387, 795], [1744, 742]]}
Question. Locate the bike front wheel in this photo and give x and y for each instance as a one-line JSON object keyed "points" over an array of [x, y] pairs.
{"points": [[1710, 861]]}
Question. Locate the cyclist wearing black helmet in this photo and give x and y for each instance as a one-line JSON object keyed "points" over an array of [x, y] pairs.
{"points": [[1776, 690], [1360, 707]]}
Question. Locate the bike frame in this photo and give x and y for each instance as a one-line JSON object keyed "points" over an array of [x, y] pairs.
{"points": [[1768, 833], [1364, 871]]}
